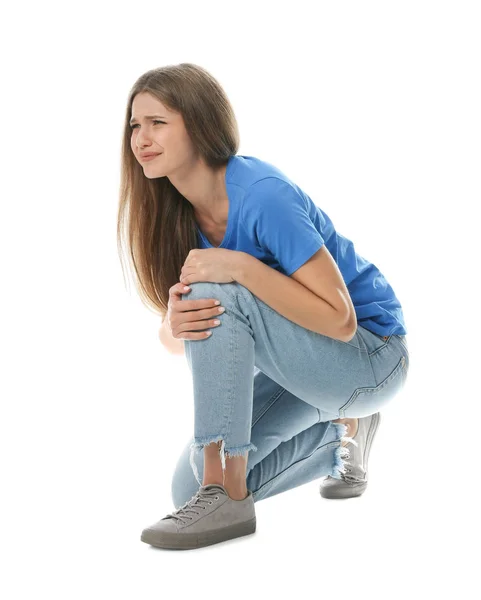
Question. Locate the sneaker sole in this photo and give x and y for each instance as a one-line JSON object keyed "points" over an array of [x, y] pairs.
{"points": [[189, 541], [344, 490]]}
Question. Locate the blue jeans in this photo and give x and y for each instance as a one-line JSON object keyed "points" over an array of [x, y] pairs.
{"points": [[264, 384]]}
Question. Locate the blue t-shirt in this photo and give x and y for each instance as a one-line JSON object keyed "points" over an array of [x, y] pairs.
{"points": [[271, 218]]}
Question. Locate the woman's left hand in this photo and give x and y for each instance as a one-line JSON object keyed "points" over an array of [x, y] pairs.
{"points": [[217, 265]]}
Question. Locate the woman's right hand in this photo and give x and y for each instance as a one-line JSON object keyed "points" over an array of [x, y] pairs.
{"points": [[186, 318]]}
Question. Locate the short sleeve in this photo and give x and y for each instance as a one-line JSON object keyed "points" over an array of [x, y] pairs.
{"points": [[279, 216]]}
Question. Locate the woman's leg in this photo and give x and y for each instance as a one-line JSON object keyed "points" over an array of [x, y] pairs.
{"points": [[293, 446], [233, 478], [334, 378]]}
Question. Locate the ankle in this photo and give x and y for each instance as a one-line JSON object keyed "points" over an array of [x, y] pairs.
{"points": [[232, 478], [352, 425], [215, 480], [237, 492]]}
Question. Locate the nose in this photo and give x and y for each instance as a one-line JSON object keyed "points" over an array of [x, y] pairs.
{"points": [[142, 140]]}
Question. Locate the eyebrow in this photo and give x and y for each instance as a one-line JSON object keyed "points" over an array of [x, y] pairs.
{"points": [[147, 117]]}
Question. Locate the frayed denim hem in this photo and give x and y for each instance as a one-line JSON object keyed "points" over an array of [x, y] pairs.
{"points": [[199, 443], [342, 453]]}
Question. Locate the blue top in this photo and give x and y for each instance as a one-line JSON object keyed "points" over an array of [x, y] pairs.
{"points": [[271, 218]]}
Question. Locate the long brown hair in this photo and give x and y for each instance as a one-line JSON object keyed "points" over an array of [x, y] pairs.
{"points": [[156, 225]]}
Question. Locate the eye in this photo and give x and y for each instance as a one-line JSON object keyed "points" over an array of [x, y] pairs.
{"points": [[153, 121]]}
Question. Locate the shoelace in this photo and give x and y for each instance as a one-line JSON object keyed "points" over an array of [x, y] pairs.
{"points": [[345, 476], [350, 478], [194, 505]]}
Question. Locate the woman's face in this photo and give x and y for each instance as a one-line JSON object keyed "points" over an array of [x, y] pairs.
{"points": [[160, 131]]}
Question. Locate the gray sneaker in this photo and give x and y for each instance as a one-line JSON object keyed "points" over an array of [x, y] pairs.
{"points": [[354, 481], [209, 517]]}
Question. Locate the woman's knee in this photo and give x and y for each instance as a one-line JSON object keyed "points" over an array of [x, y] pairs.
{"points": [[178, 493], [184, 484]]}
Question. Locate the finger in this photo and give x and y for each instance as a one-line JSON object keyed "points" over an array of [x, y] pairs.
{"points": [[201, 324], [188, 305], [189, 335], [187, 276], [179, 289]]}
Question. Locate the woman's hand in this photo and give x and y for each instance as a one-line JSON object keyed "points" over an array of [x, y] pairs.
{"points": [[188, 319], [217, 265]]}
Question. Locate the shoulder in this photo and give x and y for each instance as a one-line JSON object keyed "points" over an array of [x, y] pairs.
{"points": [[273, 194], [257, 176]]}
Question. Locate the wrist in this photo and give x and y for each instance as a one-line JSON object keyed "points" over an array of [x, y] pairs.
{"points": [[240, 266]]}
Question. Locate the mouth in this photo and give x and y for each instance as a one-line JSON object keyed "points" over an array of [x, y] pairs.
{"points": [[149, 157]]}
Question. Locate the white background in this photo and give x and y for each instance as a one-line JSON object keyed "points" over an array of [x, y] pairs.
{"points": [[372, 108]]}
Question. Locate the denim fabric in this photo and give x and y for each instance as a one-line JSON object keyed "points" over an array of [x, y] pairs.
{"points": [[265, 385]]}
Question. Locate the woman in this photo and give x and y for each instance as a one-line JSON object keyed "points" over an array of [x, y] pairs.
{"points": [[309, 348]]}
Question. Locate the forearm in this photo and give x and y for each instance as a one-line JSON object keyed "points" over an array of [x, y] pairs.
{"points": [[290, 298]]}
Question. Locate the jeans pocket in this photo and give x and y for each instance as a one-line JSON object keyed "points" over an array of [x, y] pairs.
{"points": [[369, 400], [373, 341]]}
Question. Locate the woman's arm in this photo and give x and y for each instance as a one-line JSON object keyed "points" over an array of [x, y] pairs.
{"points": [[297, 301]]}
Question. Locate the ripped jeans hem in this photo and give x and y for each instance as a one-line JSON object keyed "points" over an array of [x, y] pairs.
{"points": [[199, 443]]}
